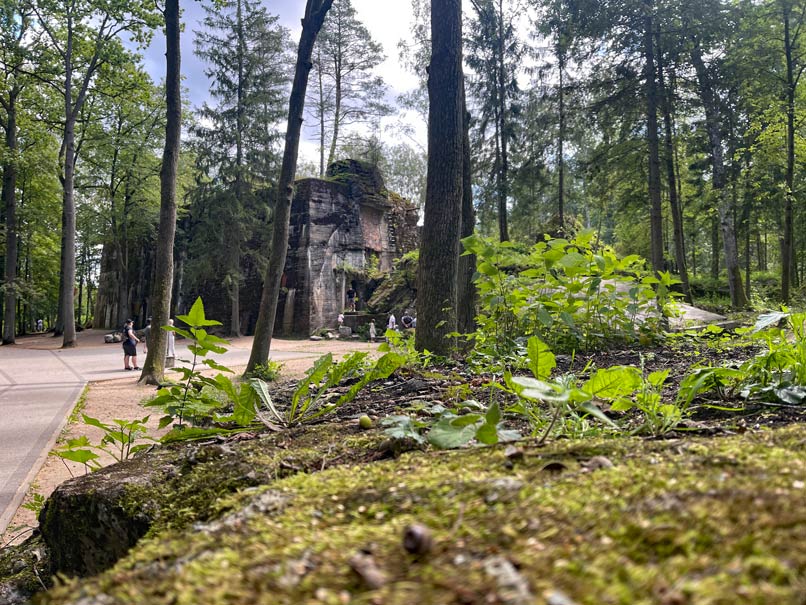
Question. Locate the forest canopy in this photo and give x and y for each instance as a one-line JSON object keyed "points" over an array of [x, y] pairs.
{"points": [[672, 129]]}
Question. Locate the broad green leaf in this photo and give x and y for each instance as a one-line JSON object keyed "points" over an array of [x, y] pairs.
{"points": [[487, 434], [196, 316], [94, 422], [464, 420], [657, 378], [791, 394], [243, 410], [622, 404], [80, 456], [493, 415], [612, 383], [541, 359], [539, 390], [402, 427], [216, 366], [445, 436]]}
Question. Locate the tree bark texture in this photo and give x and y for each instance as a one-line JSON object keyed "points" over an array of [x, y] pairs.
{"points": [[674, 201], [653, 145], [10, 203], [68, 262], [466, 292], [154, 366], [561, 143], [315, 12], [719, 180], [503, 131], [787, 244], [439, 247]]}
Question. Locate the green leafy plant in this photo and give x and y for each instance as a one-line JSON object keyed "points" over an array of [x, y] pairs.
{"points": [[658, 418], [310, 400], [119, 441], [455, 430], [269, 372], [777, 374], [193, 398], [574, 294], [34, 503], [452, 428], [403, 345]]}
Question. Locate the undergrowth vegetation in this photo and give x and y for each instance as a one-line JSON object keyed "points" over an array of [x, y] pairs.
{"points": [[560, 297]]}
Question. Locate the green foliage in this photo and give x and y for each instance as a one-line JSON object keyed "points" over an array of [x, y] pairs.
{"points": [[402, 344], [311, 400], [573, 294], [452, 431], [777, 374], [447, 429], [194, 398], [567, 403], [658, 417], [267, 373], [35, 503], [119, 441]]}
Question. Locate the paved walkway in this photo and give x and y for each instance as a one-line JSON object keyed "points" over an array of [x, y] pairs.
{"points": [[40, 384]]}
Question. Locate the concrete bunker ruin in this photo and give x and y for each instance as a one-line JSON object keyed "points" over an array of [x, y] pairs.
{"points": [[343, 228]]}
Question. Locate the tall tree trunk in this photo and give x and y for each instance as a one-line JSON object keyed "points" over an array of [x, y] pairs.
{"points": [[787, 244], [561, 143], [466, 292], [715, 247], [240, 186], [154, 365], [674, 202], [321, 110], [315, 11], [503, 130], [439, 247], [719, 180], [331, 156], [655, 211], [68, 261], [10, 204]]}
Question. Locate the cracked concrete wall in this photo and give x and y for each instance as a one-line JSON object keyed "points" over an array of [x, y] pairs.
{"points": [[337, 226]]}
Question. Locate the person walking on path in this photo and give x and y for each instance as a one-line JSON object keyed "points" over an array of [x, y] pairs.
{"points": [[146, 335], [170, 351], [392, 324], [130, 341], [372, 333]]}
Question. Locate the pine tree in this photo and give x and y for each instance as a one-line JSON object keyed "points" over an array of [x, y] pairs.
{"points": [[247, 54], [345, 91]]}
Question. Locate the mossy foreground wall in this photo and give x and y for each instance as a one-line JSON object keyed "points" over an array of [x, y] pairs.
{"points": [[699, 521]]}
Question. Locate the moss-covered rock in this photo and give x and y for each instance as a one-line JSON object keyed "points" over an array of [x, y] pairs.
{"points": [[24, 571], [705, 521], [91, 521]]}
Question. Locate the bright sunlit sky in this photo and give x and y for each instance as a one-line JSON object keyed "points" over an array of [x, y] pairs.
{"points": [[387, 20]]}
